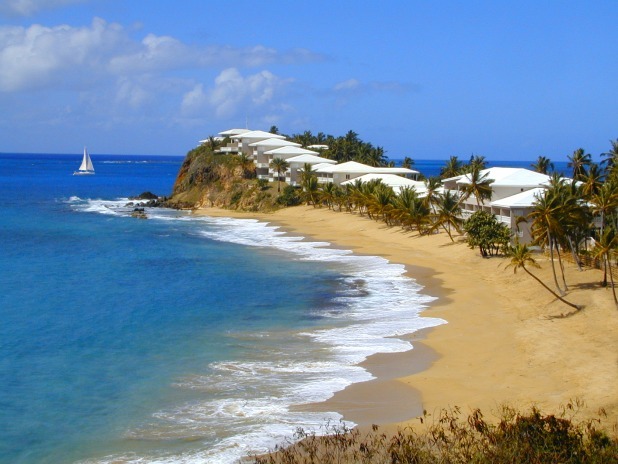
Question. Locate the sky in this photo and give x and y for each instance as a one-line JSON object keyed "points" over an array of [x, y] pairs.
{"points": [[500, 79]]}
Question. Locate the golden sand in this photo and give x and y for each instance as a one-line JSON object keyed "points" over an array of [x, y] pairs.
{"points": [[502, 344]]}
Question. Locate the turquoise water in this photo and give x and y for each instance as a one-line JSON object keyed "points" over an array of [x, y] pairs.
{"points": [[173, 339]]}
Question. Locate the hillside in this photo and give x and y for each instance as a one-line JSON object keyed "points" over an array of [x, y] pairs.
{"points": [[210, 179]]}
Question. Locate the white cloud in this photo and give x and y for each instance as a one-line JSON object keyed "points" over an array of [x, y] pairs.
{"points": [[30, 7], [233, 91], [355, 86], [350, 84], [39, 57]]}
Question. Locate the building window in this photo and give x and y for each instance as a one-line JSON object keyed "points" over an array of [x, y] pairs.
{"points": [[347, 176]]}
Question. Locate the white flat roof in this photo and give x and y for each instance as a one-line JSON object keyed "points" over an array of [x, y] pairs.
{"points": [[230, 132], [257, 135], [396, 170], [272, 142], [350, 166], [293, 151], [311, 159]]}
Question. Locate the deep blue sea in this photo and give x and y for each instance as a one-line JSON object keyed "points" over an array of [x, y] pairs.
{"points": [[176, 338]]}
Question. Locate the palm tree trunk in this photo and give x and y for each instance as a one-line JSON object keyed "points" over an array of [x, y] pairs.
{"points": [[575, 257], [611, 276], [566, 289], [551, 257], [572, 305]]}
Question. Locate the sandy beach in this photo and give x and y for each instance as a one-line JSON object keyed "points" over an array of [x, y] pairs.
{"points": [[502, 344]]}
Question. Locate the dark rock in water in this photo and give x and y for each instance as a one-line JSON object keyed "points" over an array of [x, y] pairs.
{"points": [[139, 213], [145, 196]]}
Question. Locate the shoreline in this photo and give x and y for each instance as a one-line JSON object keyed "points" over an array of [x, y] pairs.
{"points": [[498, 347]]}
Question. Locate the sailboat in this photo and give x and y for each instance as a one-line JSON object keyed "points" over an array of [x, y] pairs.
{"points": [[86, 167]]}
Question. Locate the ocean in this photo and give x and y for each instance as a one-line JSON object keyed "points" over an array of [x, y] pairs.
{"points": [[175, 339]]}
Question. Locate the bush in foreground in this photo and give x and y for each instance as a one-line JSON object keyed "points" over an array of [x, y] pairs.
{"points": [[517, 438]]}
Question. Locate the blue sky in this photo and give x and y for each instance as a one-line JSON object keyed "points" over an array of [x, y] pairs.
{"points": [[506, 80]]}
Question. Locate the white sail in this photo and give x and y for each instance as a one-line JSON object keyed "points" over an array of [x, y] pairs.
{"points": [[86, 167]]}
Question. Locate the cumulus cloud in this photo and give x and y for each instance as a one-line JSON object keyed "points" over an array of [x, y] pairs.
{"points": [[232, 91], [39, 56], [69, 57], [30, 7]]}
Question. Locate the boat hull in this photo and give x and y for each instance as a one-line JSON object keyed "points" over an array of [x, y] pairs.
{"points": [[83, 173]]}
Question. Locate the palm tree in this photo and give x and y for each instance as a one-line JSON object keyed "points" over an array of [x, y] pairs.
{"points": [[407, 163], [611, 160], [592, 181], [521, 257], [479, 185], [311, 190], [306, 173], [274, 130], [476, 161], [411, 210], [543, 165], [605, 202], [432, 185], [602, 249], [328, 193], [579, 160], [280, 165], [545, 223], [448, 214], [452, 168]]}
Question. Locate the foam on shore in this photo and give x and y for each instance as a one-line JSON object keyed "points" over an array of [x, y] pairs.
{"points": [[248, 404]]}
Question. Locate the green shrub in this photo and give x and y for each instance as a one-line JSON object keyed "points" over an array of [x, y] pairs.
{"points": [[487, 233], [530, 438], [289, 197]]}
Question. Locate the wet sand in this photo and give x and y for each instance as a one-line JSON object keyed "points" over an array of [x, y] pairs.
{"points": [[502, 344]]}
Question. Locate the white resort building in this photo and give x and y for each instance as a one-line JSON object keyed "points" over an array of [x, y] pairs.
{"points": [[262, 147], [514, 190]]}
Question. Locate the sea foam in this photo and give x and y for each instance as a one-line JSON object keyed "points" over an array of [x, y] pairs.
{"points": [[248, 404]]}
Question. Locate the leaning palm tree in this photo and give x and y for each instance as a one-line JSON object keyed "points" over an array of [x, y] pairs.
{"points": [[280, 165], [520, 258], [546, 224], [543, 165]]}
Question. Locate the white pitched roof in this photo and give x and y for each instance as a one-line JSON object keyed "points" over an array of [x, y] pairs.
{"points": [[311, 159], [510, 177], [520, 200], [257, 135], [290, 151], [317, 167], [350, 166], [396, 171], [229, 133], [394, 181], [272, 142]]}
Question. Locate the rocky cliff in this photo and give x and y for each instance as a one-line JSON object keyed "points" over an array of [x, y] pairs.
{"points": [[209, 179]]}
